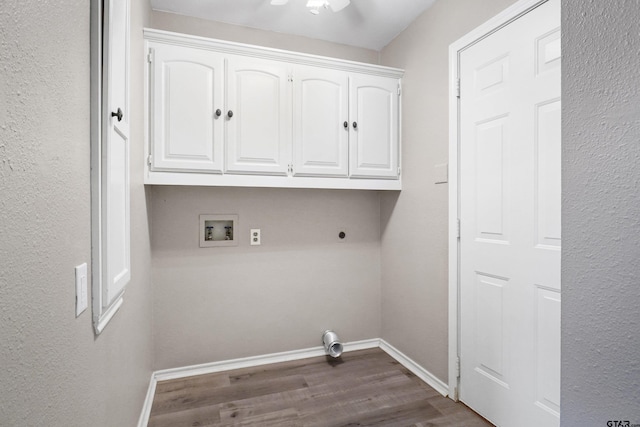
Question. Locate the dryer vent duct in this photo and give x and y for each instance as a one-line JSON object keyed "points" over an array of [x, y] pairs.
{"points": [[332, 344]]}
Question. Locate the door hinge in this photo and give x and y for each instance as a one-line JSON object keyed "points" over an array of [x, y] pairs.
{"points": [[457, 367], [150, 56], [290, 78], [399, 171], [458, 88], [149, 159], [399, 90], [458, 236]]}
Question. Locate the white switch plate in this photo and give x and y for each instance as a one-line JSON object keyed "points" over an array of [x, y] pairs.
{"points": [[82, 300], [255, 237], [442, 173]]}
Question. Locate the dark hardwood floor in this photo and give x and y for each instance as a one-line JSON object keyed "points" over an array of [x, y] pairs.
{"points": [[362, 388]]}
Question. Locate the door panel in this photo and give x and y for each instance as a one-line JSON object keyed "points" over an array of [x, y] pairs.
{"points": [[547, 354], [547, 173], [490, 200], [548, 51], [320, 105], [490, 335], [187, 90], [115, 237], [492, 76], [510, 222], [117, 224], [258, 138]]}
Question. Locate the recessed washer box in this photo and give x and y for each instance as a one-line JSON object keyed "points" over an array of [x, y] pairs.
{"points": [[218, 230]]}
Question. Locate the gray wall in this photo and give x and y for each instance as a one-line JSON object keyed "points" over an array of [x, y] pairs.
{"points": [[54, 371], [600, 212], [220, 303], [218, 30], [414, 224]]}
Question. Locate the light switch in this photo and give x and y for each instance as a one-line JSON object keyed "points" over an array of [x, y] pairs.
{"points": [[82, 300], [442, 173]]}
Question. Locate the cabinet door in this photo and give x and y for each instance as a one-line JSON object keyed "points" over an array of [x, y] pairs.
{"points": [[110, 147], [187, 87], [320, 108], [258, 117], [373, 138]]}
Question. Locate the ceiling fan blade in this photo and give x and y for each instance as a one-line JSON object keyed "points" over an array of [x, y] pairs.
{"points": [[338, 5], [279, 2]]}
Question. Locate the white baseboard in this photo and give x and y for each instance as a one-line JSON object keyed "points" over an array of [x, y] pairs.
{"points": [[287, 356], [426, 376], [249, 362], [148, 401]]}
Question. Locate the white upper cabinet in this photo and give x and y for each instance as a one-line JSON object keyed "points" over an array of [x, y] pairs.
{"points": [[258, 117], [320, 112], [229, 114], [374, 126], [186, 111]]}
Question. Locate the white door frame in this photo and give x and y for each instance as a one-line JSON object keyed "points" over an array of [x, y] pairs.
{"points": [[494, 24]]}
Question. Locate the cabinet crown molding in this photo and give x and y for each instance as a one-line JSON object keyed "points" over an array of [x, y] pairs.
{"points": [[224, 46]]}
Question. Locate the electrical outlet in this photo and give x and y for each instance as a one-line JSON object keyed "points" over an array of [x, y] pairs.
{"points": [[255, 237]]}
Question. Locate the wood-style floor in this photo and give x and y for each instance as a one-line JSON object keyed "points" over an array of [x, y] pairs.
{"points": [[362, 388]]}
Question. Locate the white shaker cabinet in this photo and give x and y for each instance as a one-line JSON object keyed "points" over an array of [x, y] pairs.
{"points": [[228, 114], [186, 91], [258, 117], [374, 132]]}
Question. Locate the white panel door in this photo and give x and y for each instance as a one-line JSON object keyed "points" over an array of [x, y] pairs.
{"points": [[321, 122], [116, 266], [373, 139], [258, 117], [187, 106], [510, 222]]}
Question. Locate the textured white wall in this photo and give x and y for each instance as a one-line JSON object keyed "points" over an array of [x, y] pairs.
{"points": [[414, 224], [601, 212], [54, 372]]}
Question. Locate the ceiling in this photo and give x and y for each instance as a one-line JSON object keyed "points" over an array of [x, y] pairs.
{"points": [[370, 24]]}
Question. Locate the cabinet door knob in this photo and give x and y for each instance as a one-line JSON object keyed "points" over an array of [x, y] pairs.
{"points": [[355, 125], [346, 125], [117, 114], [218, 112], [230, 113]]}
